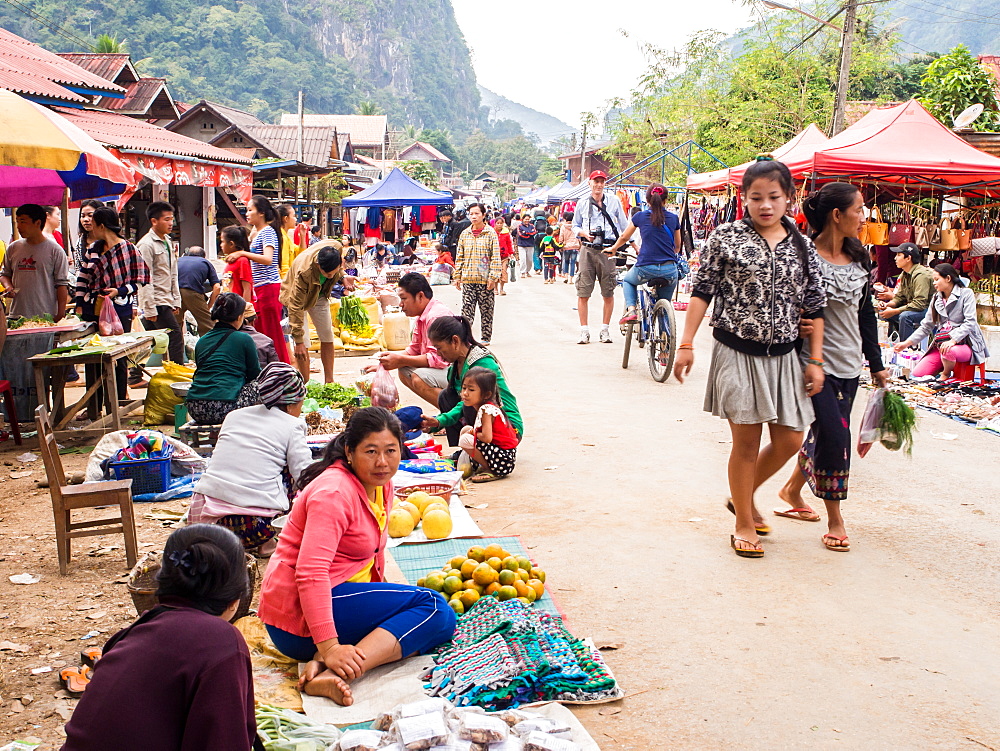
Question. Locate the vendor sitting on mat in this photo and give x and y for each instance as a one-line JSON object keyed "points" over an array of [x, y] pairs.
{"points": [[323, 598], [226, 362], [452, 337], [179, 677], [243, 487]]}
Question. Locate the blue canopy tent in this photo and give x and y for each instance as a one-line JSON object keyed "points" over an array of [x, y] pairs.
{"points": [[396, 190]]}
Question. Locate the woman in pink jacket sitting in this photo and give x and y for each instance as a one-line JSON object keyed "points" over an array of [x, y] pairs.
{"points": [[323, 599]]}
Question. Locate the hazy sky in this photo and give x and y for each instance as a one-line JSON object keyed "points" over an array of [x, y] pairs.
{"points": [[511, 53]]}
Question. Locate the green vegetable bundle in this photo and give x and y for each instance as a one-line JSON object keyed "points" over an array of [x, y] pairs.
{"points": [[331, 394], [353, 316], [285, 730], [898, 423]]}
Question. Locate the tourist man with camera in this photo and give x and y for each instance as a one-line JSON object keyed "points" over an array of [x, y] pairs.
{"points": [[598, 222]]}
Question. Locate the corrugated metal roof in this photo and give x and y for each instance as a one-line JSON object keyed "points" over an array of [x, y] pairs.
{"points": [[107, 65], [283, 140], [29, 57], [233, 115], [130, 134], [139, 97], [31, 84], [365, 130]]}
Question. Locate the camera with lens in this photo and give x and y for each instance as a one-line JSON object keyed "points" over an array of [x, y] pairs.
{"points": [[599, 241]]}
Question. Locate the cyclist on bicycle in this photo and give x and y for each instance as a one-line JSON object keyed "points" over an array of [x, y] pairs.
{"points": [[661, 240]]}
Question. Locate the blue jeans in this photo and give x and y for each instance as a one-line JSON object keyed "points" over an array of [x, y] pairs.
{"points": [[639, 274], [569, 262], [908, 322]]}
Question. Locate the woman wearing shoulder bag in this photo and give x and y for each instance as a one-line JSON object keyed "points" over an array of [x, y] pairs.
{"points": [[850, 336]]}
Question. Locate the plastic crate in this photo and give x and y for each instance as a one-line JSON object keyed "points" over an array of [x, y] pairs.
{"points": [[147, 475]]}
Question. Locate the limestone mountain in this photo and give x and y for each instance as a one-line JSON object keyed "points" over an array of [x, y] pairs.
{"points": [[408, 57]]}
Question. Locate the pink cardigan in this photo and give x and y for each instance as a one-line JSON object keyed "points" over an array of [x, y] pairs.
{"points": [[330, 535]]}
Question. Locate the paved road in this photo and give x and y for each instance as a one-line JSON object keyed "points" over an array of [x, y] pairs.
{"points": [[619, 493]]}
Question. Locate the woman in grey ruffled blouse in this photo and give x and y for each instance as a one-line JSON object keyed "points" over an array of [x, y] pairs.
{"points": [[850, 336]]}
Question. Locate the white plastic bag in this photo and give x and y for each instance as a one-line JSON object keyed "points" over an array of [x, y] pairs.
{"points": [[870, 431]]}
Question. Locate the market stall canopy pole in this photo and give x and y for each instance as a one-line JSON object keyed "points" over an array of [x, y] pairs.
{"points": [[42, 154]]}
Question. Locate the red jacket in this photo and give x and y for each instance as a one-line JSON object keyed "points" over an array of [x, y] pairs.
{"points": [[506, 245], [330, 536]]}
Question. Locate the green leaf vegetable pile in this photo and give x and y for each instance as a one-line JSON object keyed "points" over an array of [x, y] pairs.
{"points": [[354, 317], [331, 394], [898, 423]]}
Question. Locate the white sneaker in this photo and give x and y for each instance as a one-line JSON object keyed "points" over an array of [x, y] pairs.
{"points": [[584, 337], [605, 337]]}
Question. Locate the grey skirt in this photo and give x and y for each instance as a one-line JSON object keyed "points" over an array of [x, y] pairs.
{"points": [[750, 390]]}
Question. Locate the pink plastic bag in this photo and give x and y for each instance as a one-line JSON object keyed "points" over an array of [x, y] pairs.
{"points": [[109, 323], [384, 391]]}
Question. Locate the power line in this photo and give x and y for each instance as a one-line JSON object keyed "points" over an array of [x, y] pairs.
{"points": [[51, 25]]}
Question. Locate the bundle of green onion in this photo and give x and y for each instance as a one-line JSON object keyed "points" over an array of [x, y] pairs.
{"points": [[284, 730], [898, 423]]}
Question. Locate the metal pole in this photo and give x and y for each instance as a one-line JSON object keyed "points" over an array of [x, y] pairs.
{"points": [[843, 80], [583, 154], [302, 128]]}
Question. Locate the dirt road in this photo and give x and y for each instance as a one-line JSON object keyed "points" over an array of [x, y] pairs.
{"points": [[619, 492]]}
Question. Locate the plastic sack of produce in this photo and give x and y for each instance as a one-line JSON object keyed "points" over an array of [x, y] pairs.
{"points": [[158, 406], [108, 323], [384, 391]]}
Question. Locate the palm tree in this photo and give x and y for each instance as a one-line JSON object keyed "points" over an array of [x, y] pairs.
{"points": [[110, 44], [368, 108]]}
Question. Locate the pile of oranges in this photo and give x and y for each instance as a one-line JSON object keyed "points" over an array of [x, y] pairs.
{"points": [[486, 571]]}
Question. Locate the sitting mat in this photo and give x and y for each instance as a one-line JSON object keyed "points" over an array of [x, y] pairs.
{"points": [[415, 561]]}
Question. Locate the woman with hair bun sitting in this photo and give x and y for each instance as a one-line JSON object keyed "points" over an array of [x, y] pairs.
{"points": [[226, 362], [178, 679]]}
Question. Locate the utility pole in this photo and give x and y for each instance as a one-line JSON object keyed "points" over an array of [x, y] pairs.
{"points": [[302, 133], [583, 153], [843, 80]]}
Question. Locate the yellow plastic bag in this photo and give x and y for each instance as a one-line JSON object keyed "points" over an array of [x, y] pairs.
{"points": [[160, 398]]}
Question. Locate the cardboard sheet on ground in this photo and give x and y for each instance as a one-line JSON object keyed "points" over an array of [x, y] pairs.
{"points": [[380, 689], [463, 526], [416, 560]]}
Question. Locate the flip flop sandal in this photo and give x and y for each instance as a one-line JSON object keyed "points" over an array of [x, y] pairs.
{"points": [[75, 680], [760, 528], [841, 548], [797, 513], [755, 552], [485, 477], [91, 655]]}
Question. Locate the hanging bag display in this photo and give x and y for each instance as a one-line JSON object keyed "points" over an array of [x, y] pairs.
{"points": [[922, 235], [964, 235], [948, 239], [875, 232], [901, 232]]}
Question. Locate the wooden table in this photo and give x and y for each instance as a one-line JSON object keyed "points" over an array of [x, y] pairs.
{"points": [[102, 386]]}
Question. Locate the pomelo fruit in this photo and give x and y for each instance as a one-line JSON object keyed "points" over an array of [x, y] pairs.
{"points": [[437, 525], [419, 499], [400, 523], [414, 511], [435, 505]]}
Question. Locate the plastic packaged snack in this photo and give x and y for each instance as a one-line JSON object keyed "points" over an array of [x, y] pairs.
{"points": [[512, 743], [361, 740], [538, 741], [384, 721], [424, 706], [482, 728], [514, 716], [420, 732]]}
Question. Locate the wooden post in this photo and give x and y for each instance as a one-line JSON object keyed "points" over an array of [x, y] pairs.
{"points": [[65, 221]]}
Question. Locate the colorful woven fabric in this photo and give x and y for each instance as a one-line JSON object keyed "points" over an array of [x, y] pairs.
{"points": [[146, 444], [505, 654]]}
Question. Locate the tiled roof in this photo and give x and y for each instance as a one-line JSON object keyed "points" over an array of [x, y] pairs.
{"points": [[130, 134], [283, 140], [21, 55], [365, 130], [33, 85], [233, 115], [107, 65], [436, 155], [343, 141]]}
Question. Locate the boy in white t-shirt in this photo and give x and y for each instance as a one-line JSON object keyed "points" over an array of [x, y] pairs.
{"points": [[35, 271]]}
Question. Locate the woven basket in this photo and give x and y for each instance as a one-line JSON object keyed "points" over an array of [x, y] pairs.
{"points": [[142, 584]]}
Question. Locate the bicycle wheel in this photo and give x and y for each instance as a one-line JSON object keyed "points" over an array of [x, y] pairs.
{"points": [[662, 340], [629, 331]]}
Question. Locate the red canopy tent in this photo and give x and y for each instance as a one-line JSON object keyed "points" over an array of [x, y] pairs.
{"points": [[800, 147], [900, 144]]}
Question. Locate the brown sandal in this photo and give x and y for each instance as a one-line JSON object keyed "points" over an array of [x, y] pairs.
{"points": [[756, 551]]}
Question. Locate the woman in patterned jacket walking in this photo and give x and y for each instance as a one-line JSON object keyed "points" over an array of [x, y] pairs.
{"points": [[478, 269]]}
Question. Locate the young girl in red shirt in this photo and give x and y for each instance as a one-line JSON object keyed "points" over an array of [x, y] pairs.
{"points": [[491, 442]]}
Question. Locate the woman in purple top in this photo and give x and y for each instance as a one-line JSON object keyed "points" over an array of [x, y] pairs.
{"points": [[178, 679]]}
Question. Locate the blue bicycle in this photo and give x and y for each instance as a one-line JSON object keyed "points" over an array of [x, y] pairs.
{"points": [[656, 326]]}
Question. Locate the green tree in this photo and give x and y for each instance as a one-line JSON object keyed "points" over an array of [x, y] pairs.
{"points": [[421, 172], [956, 81], [440, 139], [368, 108], [109, 44]]}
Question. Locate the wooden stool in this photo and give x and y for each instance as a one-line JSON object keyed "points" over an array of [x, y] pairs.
{"points": [[66, 498], [8, 405], [199, 436]]}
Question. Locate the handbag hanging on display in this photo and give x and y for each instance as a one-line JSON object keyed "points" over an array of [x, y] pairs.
{"points": [[964, 235], [901, 233], [875, 232], [948, 237], [922, 235]]}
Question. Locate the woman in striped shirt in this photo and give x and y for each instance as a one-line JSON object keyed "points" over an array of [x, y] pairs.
{"points": [[266, 241]]}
